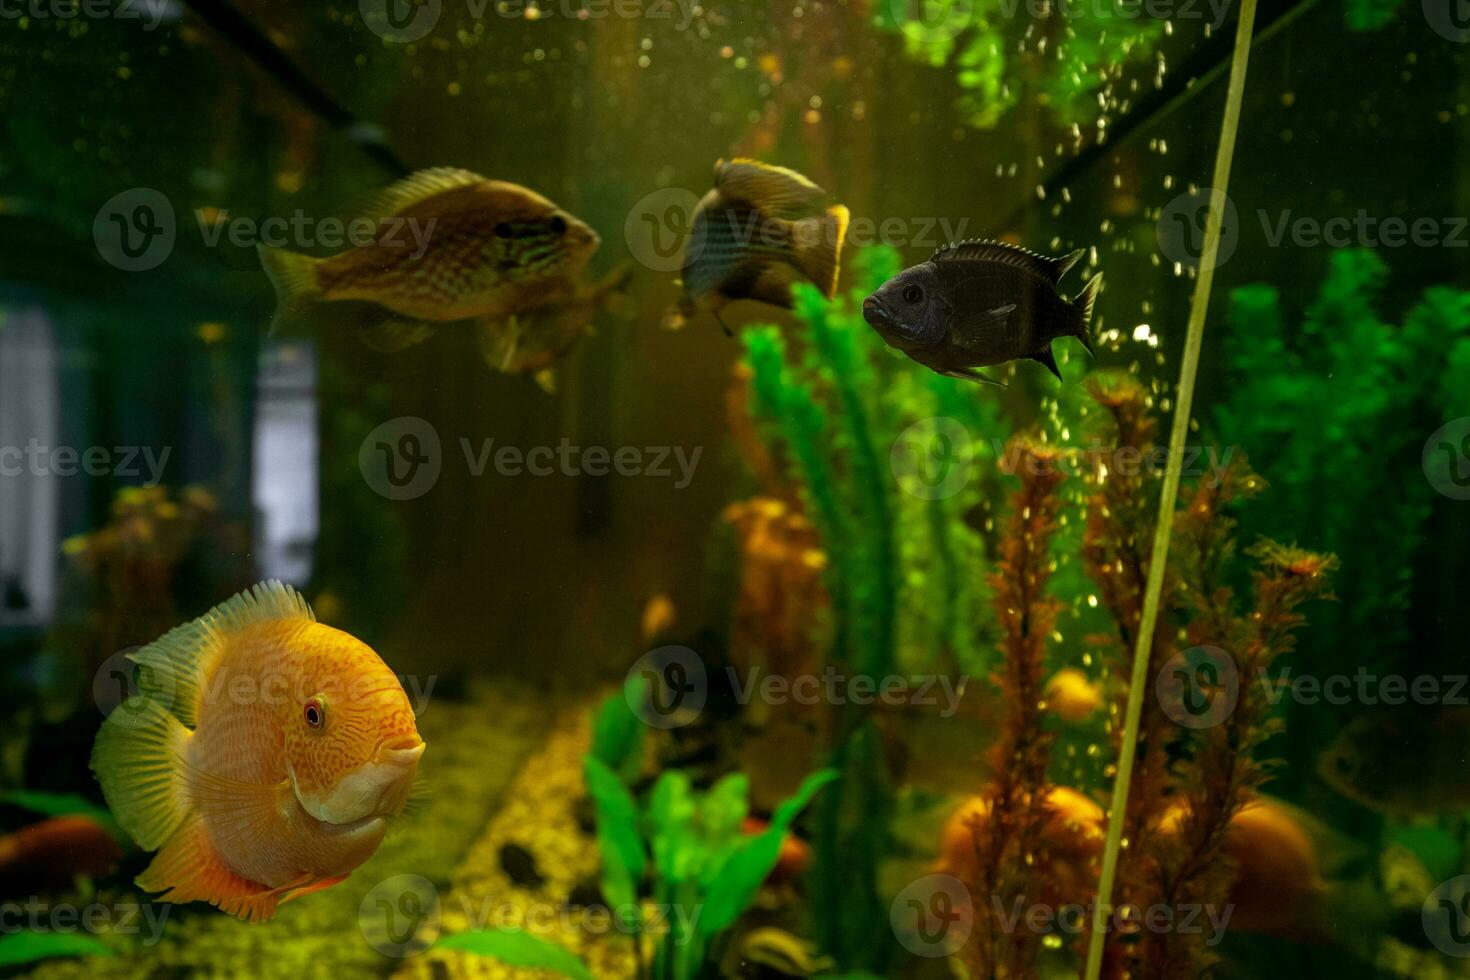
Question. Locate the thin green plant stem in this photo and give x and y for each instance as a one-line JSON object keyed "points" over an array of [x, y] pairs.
{"points": [[1169, 494]]}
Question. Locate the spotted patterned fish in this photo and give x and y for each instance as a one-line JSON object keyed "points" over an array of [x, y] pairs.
{"points": [[262, 758], [441, 245]]}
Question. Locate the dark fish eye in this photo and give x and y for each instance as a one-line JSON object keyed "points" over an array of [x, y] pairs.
{"points": [[912, 294], [315, 713], [502, 230], [558, 225]]}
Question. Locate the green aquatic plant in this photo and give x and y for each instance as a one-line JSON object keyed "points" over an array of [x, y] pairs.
{"points": [[513, 947], [1371, 15], [1334, 411], [1062, 60], [618, 732], [25, 948], [872, 443], [692, 845]]}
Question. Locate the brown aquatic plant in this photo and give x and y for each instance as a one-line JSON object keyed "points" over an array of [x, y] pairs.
{"points": [[1032, 839], [1006, 871], [1205, 772], [782, 600]]}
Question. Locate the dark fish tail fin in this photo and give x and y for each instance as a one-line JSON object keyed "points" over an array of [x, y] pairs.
{"points": [[819, 248], [1083, 305]]}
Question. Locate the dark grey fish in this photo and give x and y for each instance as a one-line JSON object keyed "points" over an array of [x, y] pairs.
{"points": [[976, 303]]}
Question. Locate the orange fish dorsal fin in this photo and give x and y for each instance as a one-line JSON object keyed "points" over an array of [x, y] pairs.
{"points": [[419, 187], [976, 250], [175, 666]]}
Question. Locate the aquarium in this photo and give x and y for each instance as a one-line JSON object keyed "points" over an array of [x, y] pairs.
{"points": [[661, 489]]}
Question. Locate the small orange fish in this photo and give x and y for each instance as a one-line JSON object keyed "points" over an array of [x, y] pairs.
{"points": [[264, 755], [51, 854], [1072, 840], [445, 245], [1072, 696], [794, 857]]}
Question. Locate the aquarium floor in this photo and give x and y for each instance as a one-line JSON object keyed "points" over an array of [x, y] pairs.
{"points": [[540, 816], [476, 748]]}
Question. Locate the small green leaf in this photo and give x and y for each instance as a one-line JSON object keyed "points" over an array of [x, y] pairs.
{"points": [[725, 808], [21, 948], [677, 852], [516, 948]]}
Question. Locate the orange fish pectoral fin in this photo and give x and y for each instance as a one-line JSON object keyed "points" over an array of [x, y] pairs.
{"points": [[138, 760], [189, 869]]}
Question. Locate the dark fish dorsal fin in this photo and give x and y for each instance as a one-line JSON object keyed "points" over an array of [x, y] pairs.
{"points": [[776, 191], [976, 250]]}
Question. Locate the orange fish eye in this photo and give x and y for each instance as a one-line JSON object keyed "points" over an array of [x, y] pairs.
{"points": [[502, 230], [558, 225], [315, 713]]}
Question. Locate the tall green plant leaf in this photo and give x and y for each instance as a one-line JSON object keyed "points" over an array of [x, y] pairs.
{"points": [[623, 856]]}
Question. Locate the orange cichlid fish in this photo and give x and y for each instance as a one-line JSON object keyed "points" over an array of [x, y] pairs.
{"points": [[759, 231], [447, 245], [262, 757]]}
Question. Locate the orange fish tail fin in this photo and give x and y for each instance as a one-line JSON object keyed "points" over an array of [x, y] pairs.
{"points": [[294, 278], [1083, 304], [138, 761], [189, 869], [819, 248]]}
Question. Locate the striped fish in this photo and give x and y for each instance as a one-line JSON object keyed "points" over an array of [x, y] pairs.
{"points": [[757, 232]]}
